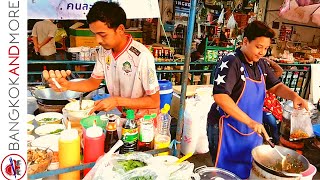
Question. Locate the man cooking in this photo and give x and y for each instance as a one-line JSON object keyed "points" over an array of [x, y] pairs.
{"points": [[126, 65], [239, 91]]}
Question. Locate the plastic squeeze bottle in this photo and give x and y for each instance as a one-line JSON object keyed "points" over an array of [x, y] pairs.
{"points": [[93, 145], [69, 152]]}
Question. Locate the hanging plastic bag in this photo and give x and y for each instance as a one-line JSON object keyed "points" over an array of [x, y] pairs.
{"points": [[221, 17], [191, 129], [206, 100], [231, 22], [301, 126], [194, 137], [255, 9]]}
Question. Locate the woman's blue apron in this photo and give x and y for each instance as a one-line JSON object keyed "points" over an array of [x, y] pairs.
{"points": [[236, 139]]}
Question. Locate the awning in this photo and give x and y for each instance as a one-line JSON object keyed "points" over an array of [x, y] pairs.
{"points": [[78, 9], [300, 11]]}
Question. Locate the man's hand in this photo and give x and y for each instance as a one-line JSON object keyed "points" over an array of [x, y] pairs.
{"points": [[299, 102], [106, 104], [59, 76], [258, 128], [36, 49]]}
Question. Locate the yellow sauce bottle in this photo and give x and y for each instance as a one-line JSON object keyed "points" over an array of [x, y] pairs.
{"points": [[69, 153]]}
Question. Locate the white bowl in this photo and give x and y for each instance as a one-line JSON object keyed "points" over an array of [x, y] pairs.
{"points": [[30, 128], [73, 112], [53, 166], [47, 141], [30, 118], [55, 117], [49, 129], [54, 162], [30, 138]]}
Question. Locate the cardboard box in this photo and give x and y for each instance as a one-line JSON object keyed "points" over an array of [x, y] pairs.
{"points": [[77, 41], [175, 102], [81, 32]]}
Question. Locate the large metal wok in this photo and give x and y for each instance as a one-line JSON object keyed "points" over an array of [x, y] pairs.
{"points": [[50, 97], [265, 157]]}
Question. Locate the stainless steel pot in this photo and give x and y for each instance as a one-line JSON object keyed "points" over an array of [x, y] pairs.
{"points": [[265, 157], [208, 173]]}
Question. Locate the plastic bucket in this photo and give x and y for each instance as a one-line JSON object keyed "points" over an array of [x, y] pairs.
{"points": [[165, 92]]}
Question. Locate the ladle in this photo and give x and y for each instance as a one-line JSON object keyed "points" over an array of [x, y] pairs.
{"points": [[58, 86], [80, 101], [283, 161]]}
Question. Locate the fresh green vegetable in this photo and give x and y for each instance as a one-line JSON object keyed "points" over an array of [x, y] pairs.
{"points": [[56, 131], [49, 119], [142, 178], [128, 165]]}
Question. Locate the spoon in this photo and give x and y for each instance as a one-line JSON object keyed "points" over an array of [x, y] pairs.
{"points": [[58, 86], [283, 161], [80, 100], [183, 158]]}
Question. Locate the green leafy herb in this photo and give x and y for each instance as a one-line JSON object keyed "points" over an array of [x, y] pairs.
{"points": [[56, 131]]}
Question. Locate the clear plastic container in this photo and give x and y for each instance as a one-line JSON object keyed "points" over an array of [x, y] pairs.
{"points": [[163, 137]]}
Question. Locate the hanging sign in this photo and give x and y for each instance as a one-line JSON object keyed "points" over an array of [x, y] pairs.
{"points": [[182, 6], [78, 9]]}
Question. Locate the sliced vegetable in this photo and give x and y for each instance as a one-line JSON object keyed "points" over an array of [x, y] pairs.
{"points": [[56, 131]]}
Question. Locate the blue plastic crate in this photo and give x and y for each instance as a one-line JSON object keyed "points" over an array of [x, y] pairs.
{"points": [[316, 129], [100, 96]]}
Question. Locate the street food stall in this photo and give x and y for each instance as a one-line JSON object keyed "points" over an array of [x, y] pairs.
{"points": [[86, 145]]}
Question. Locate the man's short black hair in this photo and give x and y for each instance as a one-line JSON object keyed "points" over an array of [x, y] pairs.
{"points": [[108, 12], [258, 29]]}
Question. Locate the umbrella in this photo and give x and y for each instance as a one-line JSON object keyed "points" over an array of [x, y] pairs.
{"points": [[301, 11]]}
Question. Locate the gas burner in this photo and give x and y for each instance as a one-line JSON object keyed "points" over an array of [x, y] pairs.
{"points": [[36, 112]]}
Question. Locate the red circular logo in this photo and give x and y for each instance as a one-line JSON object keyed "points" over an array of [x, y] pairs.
{"points": [[13, 166]]}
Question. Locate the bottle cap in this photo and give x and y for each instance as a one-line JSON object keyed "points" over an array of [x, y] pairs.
{"points": [[165, 109], [69, 134], [130, 114], [153, 115], [94, 131], [146, 117]]}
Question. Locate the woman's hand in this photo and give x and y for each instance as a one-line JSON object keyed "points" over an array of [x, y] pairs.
{"points": [[258, 128], [299, 102]]}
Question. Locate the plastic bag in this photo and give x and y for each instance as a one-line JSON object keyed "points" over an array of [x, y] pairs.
{"points": [[194, 137], [221, 17], [231, 22], [144, 173], [301, 126], [182, 171], [123, 163], [110, 168], [191, 128]]}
